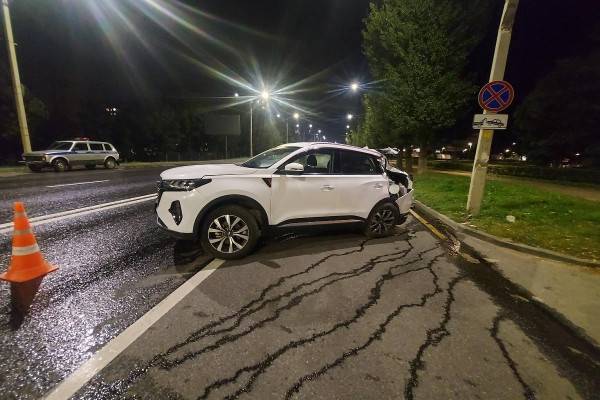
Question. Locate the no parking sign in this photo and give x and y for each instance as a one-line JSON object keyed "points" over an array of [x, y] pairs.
{"points": [[496, 96]]}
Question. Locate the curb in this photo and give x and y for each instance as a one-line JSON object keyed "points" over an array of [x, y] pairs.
{"points": [[507, 243]]}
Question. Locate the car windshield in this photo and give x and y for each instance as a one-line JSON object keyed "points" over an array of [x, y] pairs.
{"points": [[270, 157], [60, 146]]}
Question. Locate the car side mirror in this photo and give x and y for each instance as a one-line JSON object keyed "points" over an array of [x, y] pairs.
{"points": [[294, 169]]}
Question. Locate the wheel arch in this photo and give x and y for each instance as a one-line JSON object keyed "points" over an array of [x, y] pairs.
{"points": [[65, 159], [239, 200]]}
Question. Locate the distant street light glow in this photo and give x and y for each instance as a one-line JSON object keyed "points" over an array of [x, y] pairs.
{"points": [[265, 95], [350, 116], [354, 87], [296, 115], [237, 94], [278, 115]]}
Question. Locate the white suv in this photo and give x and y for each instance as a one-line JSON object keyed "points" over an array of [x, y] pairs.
{"points": [[228, 207]]}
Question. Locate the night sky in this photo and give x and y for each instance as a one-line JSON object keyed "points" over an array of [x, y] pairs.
{"points": [[73, 52]]}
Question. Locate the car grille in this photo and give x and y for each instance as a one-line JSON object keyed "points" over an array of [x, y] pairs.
{"points": [[34, 158]]}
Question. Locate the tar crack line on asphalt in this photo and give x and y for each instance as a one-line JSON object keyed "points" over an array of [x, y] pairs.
{"points": [[119, 387], [376, 335], [494, 330], [260, 367], [433, 338]]}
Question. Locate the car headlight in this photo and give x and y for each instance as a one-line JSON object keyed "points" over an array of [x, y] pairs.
{"points": [[183, 184]]}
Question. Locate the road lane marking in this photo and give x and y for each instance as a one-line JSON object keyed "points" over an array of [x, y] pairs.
{"points": [[112, 349], [79, 183], [44, 219], [432, 228]]}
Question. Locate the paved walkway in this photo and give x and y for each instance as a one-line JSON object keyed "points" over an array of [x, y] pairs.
{"points": [[589, 193]]}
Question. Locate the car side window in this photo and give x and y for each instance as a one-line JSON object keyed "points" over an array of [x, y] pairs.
{"points": [[357, 163], [315, 162], [96, 147], [80, 147]]}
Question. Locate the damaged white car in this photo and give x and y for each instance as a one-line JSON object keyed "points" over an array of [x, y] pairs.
{"points": [[228, 207]]}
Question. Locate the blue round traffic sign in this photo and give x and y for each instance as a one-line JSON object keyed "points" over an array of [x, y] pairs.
{"points": [[496, 96]]}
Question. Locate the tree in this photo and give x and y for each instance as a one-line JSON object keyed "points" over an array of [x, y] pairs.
{"points": [[560, 117], [419, 49]]}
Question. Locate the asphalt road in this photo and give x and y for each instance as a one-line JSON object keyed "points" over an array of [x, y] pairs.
{"points": [[310, 315]]}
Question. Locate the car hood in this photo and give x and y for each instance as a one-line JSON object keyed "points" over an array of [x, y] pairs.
{"points": [[200, 171]]}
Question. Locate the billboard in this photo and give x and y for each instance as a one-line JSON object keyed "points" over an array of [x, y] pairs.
{"points": [[223, 125]]}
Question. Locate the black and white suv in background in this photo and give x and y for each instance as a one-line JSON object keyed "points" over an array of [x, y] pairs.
{"points": [[66, 154], [228, 207]]}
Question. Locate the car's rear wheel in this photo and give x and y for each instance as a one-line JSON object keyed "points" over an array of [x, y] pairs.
{"points": [[60, 165], [382, 220], [110, 163], [229, 232]]}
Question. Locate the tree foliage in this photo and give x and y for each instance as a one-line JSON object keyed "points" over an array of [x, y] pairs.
{"points": [[560, 117], [418, 49]]}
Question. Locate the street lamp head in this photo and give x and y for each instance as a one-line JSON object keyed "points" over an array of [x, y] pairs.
{"points": [[278, 115], [296, 115], [319, 131], [310, 125], [297, 125], [265, 95], [354, 86], [347, 126], [236, 94], [350, 116]]}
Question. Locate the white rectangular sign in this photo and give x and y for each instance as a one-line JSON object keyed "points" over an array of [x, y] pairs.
{"points": [[490, 121]]}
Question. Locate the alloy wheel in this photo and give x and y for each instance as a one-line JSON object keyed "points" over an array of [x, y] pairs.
{"points": [[228, 234], [383, 221]]}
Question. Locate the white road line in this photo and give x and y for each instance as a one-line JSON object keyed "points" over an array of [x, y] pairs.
{"points": [[79, 183], [112, 349], [44, 219]]}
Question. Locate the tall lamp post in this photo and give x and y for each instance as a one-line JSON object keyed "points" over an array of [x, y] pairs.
{"points": [[16, 79]]}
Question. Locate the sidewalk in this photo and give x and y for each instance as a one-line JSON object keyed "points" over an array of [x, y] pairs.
{"points": [[570, 292], [584, 192]]}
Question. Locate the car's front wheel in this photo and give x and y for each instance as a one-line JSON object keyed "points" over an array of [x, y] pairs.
{"points": [[60, 165], [382, 220], [229, 232]]}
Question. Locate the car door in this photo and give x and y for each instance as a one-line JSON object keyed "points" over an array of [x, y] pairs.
{"points": [[79, 153], [97, 154], [359, 181], [307, 196]]}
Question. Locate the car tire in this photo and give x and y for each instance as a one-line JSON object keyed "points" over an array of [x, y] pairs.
{"points": [[90, 166], [35, 168], [60, 165], [229, 232], [110, 163], [382, 221]]}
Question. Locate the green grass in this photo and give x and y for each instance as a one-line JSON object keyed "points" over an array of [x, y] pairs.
{"points": [[543, 219]]}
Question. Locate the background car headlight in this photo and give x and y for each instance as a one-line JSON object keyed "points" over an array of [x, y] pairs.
{"points": [[184, 184]]}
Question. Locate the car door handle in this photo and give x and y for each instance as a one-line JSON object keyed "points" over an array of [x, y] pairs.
{"points": [[327, 188]]}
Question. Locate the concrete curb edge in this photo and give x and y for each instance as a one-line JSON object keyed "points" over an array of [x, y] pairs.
{"points": [[536, 251]]}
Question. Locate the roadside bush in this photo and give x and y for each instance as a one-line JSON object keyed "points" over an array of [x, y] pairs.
{"points": [[527, 171]]}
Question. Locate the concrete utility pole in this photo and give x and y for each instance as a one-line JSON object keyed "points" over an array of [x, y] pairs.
{"points": [[16, 80], [251, 146], [484, 144]]}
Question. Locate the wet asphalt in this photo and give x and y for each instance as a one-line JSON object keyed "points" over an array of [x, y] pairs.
{"points": [[320, 315]]}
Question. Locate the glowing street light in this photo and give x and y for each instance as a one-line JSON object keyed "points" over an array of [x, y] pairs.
{"points": [[296, 116], [278, 115], [265, 95], [347, 126], [236, 94], [297, 125], [354, 86], [349, 117], [310, 126]]}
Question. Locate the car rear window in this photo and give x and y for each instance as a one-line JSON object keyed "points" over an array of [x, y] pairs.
{"points": [[108, 147], [96, 146], [355, 163]]}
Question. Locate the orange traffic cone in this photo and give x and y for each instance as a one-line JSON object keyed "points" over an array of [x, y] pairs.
{"points": [[27, 262]]}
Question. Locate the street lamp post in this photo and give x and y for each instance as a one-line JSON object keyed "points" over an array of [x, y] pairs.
{"points": [[251, 111], [16, 79]]}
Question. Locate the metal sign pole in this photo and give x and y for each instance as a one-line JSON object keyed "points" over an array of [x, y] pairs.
{"points": [[484, 144], [16, 79]]}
